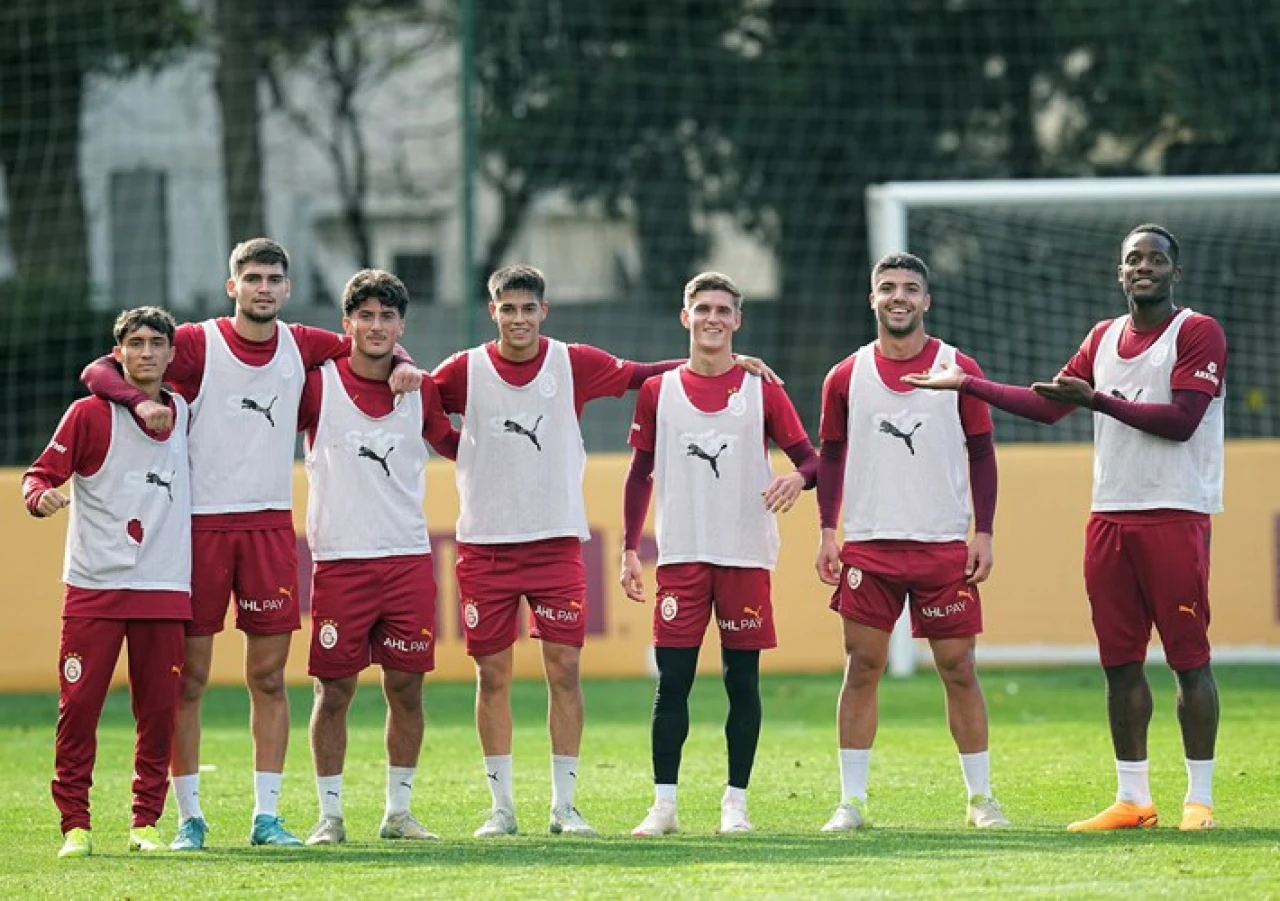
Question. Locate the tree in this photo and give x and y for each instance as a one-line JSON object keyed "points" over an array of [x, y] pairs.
{"points": [[590, 99], [47, 49], [348, 56]]}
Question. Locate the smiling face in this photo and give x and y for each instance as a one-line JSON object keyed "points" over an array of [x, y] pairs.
{"points": [[259, 291], [519, 316], [899, 299], [374, 327], [712, 316], [1147, 270], [144, 354]]}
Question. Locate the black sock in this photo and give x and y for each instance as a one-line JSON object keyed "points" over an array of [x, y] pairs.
{"points": [[742, 727], [676, 669]]}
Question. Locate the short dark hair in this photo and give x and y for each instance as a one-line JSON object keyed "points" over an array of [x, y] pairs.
{"points": [[900, 260], [257, 250], [518, 277], [1150, 228], [378, 284], [130, 321], [712, 281]]}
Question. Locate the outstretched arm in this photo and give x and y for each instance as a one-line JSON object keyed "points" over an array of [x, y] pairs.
{"points": [[1025, 402]]}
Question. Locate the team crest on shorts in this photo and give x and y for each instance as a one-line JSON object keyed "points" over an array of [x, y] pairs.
{"points": [[854, 577], [72, 669], [669, 607], [471, 614], [328, 634]]}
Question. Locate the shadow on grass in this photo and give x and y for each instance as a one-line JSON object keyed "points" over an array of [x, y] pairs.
{"points": [[537, 851]]}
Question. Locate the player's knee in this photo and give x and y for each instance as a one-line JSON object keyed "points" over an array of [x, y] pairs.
{"points": [[403, 691], [266, 683], [334, 695], [862, 670], [563, 671], [493, 679], [194, 681]]}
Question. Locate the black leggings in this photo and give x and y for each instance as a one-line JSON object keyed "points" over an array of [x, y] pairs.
{"points": [[676, 670]]}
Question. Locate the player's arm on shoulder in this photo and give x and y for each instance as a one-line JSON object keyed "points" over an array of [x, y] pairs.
{"points": [[309, 405], [437, 427], [316, 345], [450, 378]]}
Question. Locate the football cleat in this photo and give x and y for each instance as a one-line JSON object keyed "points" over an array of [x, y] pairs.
{"points": [[850, 815], [660, 820], [1196, 818], [76, 843], [500, 822], [404, 826], [985, 813], [1120, 815], [269, 830]]}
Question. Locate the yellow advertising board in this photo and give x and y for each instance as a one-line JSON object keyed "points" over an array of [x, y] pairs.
{"points": [[1034, 604]]}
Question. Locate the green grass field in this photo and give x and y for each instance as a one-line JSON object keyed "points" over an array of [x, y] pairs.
{"points": [[1051, 762]]}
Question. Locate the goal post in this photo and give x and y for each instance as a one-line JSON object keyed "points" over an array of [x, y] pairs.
{"points": [[1023, 268]]}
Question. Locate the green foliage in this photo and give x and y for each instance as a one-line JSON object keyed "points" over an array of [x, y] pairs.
{"points": [[1052, 764]]}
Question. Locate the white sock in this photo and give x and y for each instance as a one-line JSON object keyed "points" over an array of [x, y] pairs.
{"points": [[399, 788], [734, 796], [664, 794], [266, 793], [855, 764], [1199, 782], [329, 790], [977, 773], [564, 780], [186, 791], [1133, 784], [498, 769]]}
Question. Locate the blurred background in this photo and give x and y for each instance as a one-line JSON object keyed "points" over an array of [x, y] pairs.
{"points": [[622, 146]]}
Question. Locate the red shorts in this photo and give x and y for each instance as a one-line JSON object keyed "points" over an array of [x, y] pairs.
{"points": [[379, 611], [549, 574], [259, 565], [1142, 573], [877, 577], [688, 592]]}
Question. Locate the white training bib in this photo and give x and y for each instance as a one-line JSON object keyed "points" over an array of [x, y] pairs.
{"points": [[520, 455], [243, 427], [1133, 470], [130, 522], [367, 478], [710, 471], [906, 474]]}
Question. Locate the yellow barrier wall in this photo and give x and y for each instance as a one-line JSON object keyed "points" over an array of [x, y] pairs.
{"points": [[1035, 597]]}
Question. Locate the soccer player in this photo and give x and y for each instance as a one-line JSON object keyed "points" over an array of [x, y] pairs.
{"points": [[912, 469], [243, 377], [703, 430], [1154, 379], [523, 519], [127, 575], [373, 596]]}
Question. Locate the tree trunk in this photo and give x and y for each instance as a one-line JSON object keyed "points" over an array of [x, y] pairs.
{"points": [[239, 73]]}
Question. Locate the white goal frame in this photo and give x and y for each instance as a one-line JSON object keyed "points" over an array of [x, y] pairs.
{"points": [[888, 209]]}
